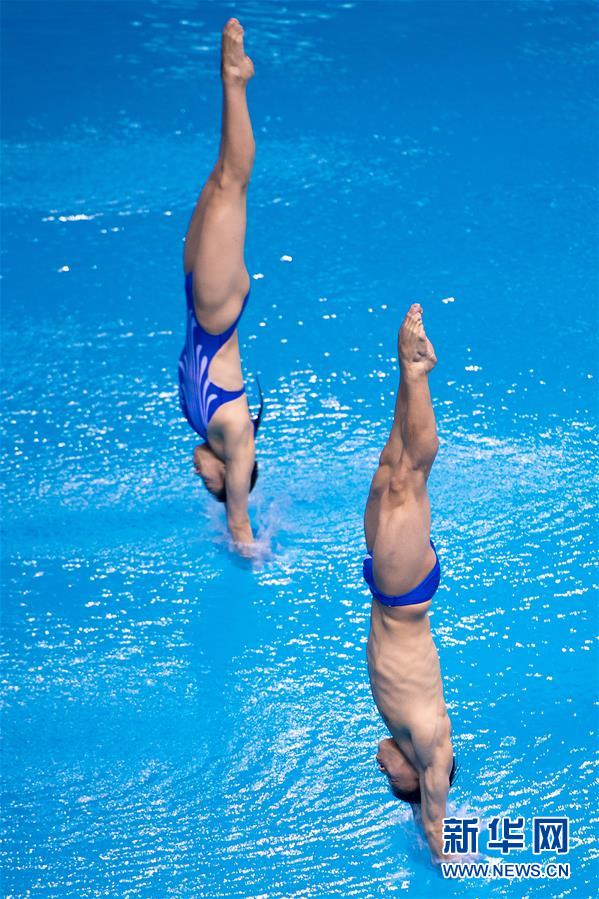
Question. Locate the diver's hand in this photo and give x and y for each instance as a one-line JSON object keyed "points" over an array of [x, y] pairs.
{"points": [[241, 534]]}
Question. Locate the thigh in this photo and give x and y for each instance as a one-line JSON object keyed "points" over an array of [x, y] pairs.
{"points": [[390, 460], [214, 249], [378, 487], [402, 554]]}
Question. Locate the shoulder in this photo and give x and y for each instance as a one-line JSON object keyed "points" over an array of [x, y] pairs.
{"points": [[431, 739], [237, 429]]}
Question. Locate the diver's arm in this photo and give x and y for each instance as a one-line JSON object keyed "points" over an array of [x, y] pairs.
{"points": [[239, 461], [434, 788], [431, 739]]}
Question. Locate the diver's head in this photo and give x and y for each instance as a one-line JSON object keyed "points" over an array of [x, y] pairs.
{"points": [[211, 469], [402, 776]]}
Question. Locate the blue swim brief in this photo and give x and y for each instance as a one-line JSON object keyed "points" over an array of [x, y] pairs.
{"points": [[425, 590]]}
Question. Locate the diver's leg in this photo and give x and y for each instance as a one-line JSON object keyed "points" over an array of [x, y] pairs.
{"points": [[378, 487], [402, 554], [412, 442], [414, 425], [215, 238]]}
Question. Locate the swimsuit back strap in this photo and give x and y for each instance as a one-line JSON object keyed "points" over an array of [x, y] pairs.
{"points": [[222, 396], [226, 396]]}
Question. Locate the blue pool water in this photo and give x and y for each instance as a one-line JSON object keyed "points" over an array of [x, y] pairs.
{"points": [[177, 722]]}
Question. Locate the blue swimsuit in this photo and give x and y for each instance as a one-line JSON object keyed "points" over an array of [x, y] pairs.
{"points": [[199, 397], [425, 590]]}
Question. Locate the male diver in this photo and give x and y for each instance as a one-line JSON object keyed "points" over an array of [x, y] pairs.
{"points": [[402, 571], [211, 389]]}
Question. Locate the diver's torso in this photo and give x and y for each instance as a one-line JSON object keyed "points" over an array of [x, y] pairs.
{"points": [[403, 666]]}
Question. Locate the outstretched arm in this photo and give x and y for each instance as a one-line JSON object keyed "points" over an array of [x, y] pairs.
{"points": [[239, 462], [431, 739], [434, 788]]}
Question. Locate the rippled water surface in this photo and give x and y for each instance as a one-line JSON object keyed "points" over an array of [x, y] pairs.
{"points": [[177, 722]]}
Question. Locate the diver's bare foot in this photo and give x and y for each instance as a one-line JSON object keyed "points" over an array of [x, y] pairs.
{"points": [[236, 67], [416, 353]]}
